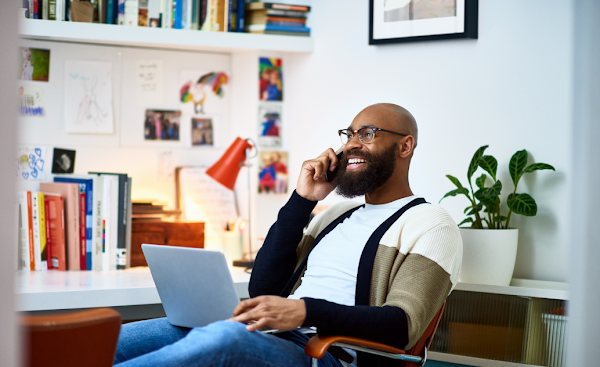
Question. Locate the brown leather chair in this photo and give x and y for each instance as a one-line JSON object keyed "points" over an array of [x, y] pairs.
{"points": [[84, 338], [317, 346]]}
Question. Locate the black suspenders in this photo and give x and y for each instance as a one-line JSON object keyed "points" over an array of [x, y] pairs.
{"points": [[365, 268]]}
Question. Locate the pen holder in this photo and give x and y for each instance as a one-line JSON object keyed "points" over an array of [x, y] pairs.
{"points": [[232, 244]]}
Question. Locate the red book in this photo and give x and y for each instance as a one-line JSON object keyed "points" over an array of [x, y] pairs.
{"points": [[82, 214], [30, 231], [55, 216], [48, 237], [70, 195]]}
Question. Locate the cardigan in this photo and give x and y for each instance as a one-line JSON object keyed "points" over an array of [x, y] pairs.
{"points": [[415, 268]]}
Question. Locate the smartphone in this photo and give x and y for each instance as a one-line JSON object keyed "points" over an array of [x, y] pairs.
{"points": [[330, 175]]}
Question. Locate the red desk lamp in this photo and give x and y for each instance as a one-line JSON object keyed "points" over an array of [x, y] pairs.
{"points": [[226, 170]]}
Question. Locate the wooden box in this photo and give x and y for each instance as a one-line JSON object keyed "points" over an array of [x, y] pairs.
{"points": [[163, 233]]}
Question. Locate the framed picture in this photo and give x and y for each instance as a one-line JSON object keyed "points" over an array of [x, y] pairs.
{"points": [[393, 21]]}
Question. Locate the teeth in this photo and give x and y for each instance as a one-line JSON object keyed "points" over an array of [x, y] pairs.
{"points": [[356, 160]]}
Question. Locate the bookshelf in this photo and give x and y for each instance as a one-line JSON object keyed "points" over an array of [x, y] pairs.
{"points": [[175, 39]]}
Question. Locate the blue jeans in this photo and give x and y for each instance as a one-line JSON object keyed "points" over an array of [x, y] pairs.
{"points": [[224, 343]]}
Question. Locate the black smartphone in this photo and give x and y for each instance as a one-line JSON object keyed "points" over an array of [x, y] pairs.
{"points": [[330, 175]]}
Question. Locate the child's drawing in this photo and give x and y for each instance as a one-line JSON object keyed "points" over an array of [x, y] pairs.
{"points": [[88, 97], [199, 89], [34, 64], [30, 163]]}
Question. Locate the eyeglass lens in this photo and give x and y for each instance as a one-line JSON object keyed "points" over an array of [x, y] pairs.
{"points": [[365, 135]]}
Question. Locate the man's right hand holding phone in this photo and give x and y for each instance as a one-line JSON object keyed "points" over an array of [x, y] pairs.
{"points": [[312, 184]]}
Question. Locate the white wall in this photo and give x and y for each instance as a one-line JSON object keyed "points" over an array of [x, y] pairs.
{"points": [[9, 338], [510, 89]]}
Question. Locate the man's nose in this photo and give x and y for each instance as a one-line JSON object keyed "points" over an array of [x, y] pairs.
{"points": [[353, 143]]}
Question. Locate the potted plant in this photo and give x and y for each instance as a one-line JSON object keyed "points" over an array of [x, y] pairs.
{"points": [[489, 243]]}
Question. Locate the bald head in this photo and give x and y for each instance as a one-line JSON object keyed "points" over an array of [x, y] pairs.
{"points": [[396, 118]]}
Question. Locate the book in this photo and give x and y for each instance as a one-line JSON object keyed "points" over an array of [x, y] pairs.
{"points": [[55, 217], [70, 195], [284, 23], [26, 260], [110, 216], [43, 231], [39, 237], [283, 33], [221, 16], [131, 14], [154, 13], [275, 13], [51, 9], [277, 28], [120, 255], [111, 10], [93, 191], [262, 5], [120, 12], [102, 11], [45, 9], [126, 261]]}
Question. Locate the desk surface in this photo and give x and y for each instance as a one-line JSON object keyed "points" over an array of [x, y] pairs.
{"points": [[57, 290]]}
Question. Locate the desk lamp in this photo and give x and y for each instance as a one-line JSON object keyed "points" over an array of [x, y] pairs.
{"points": [[226, 170]]}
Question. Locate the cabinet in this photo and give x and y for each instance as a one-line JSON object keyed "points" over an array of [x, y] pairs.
{"points": [[521, 325]]}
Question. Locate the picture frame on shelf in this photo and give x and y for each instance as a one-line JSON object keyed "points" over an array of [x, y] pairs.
{"points": [[397, 21]]}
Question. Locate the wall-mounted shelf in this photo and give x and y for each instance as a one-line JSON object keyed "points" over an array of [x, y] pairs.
{"points": [[109, 34]]}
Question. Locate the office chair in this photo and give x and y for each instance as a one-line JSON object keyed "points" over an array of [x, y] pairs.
{"points": [[317, 346], [84, 338]]}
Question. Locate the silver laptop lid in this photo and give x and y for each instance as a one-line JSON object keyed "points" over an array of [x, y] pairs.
{"points": [[194, 285]]}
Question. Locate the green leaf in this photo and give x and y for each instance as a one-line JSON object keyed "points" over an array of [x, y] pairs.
{"points": [[461, 188], [494, 190], [477, 209], [467, 209], [500, 218], [490, 165], [480, 182], [517, 165], [537, 167], [451, 193], [466, 220], [475, 161], [522, 204], [491, 204]]}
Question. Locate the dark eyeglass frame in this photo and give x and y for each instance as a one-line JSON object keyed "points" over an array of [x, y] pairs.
{"points": [[360, 135]]}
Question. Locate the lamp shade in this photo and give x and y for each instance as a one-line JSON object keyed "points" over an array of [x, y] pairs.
{"points": [[226, 169]]}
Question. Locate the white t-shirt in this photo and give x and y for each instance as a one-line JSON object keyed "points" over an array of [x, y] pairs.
{"points": [[333, 264]]}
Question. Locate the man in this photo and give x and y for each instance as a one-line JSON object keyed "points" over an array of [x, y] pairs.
{"points": [[379, 271]]}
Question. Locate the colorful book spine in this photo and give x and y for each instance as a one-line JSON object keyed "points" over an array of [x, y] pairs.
{"points": [[178, 14], [284, 24], [241, 15], [24, 238], [51, 9], [30, 231], [43, 236], [35, 216], [264, 27], [55, 217], [110, 11], [83, 227], [48, 234], [121, 12]]}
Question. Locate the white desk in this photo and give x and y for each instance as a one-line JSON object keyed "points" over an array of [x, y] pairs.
{"points": [[131, 292]]}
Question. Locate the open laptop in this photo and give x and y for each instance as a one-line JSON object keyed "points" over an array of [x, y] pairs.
{"points": [[194, 285]]}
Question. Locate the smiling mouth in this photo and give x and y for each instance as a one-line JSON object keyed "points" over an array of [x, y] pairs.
{"points": [[355, 161]]}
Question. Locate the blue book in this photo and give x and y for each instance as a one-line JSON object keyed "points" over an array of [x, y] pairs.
{"points": [[178, 14], [285, 24], [277, 28], [241, 11], [110, 11], [89, 210]]}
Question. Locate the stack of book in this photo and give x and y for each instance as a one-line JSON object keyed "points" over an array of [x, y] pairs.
{"points": [[152, 211], [77, 222], [272, 18]]}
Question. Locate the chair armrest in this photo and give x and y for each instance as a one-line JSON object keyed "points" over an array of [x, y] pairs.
{"points": [[317, 346]]}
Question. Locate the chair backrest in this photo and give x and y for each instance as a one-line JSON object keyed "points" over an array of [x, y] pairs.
{"points": [[84, 338], [427, 336]]}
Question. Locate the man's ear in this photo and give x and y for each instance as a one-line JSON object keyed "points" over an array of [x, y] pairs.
{"points": [[407, 146]]}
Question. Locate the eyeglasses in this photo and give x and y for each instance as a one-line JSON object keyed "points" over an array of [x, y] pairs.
{"points": [[365, 134]]}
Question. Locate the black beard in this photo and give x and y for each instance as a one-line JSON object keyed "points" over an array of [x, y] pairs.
{"points": [[379, 169]]}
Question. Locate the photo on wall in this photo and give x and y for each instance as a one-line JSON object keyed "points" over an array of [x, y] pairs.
{"points": [[162, 125], [202, 131], [273, 172], [270, 79], [34, 64], [269, 124]]}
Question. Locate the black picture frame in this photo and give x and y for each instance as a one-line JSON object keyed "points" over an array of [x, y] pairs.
{"points": [[470, 27]]}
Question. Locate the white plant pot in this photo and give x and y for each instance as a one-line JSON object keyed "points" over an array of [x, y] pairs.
{"points": [[489, 255]]}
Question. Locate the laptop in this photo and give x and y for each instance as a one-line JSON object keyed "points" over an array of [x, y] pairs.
{"points": [[194, 285]]}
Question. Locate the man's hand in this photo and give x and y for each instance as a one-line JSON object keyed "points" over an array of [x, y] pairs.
{"points": [[311, 182], [270, 311]]}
